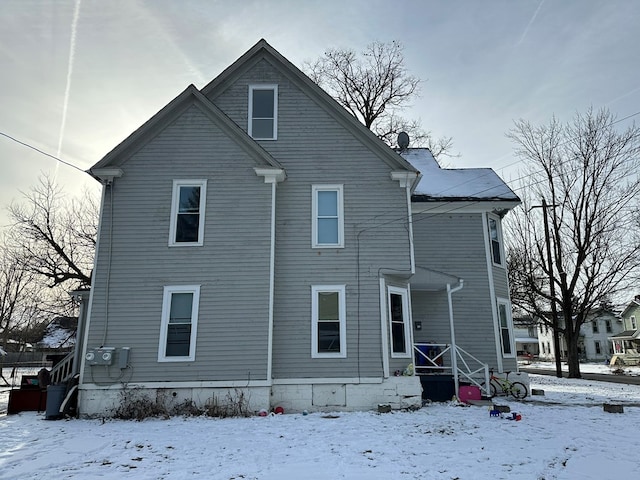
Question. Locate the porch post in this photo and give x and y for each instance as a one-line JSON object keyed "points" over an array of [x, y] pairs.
{"points": [[454, 349]]}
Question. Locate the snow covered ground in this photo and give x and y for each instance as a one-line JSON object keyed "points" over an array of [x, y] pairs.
{"points": [[563, 435]]}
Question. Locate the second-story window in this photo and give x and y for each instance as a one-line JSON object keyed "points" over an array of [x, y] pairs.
{"points": [[327, 216], [187, 212], [263, 112], [595, 326], [495, 237]]}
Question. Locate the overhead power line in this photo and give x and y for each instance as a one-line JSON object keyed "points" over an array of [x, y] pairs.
{"points": [[42, 152]]}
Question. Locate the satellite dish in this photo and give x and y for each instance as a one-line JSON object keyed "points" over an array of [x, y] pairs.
{"points": [[403, 140]]}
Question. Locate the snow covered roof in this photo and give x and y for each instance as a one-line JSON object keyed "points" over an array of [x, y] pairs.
{"points": [[439, 184]]}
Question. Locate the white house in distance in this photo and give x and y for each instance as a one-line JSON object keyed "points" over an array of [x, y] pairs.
{"points": [[594, 344]]}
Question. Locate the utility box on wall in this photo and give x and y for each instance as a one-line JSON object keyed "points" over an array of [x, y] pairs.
{"points": [[100, 356]]}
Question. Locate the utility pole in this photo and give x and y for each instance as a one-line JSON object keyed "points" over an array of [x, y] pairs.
{"points": [[552, 291]]}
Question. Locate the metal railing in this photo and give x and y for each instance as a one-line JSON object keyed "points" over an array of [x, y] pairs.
{"points": [[63, 370], [429, 357]]}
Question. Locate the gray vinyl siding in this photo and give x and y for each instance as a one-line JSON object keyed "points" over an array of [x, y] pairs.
{"points": [[315, 149], [232, 267], [455, 244]]}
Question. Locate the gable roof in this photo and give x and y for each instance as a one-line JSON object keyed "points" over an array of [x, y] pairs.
{"points": [[635, 303], [190, 96], [262, 50], [465, 184]]}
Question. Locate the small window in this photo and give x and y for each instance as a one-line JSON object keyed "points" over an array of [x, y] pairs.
{"points": [[608, 326], [187, 212], [263, 112], [179, 323], [327, 216], [594, 324], [495, 236], [634, 325], [399, 322], [506, 327], [598, 347], [328, 321]]}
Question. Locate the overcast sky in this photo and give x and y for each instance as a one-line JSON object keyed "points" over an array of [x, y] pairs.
{"points": [[77, 77]]}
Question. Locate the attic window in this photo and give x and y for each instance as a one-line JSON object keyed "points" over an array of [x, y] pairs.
{"points": [[263, 112]]}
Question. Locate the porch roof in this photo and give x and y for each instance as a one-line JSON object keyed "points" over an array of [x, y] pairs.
{"points": [[626, 335], [426, 279], [526, 340]]}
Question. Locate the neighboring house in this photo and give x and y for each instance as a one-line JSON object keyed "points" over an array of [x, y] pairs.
{"points": [[255, 237], [593, 345], [525, 330], [626, 344]]}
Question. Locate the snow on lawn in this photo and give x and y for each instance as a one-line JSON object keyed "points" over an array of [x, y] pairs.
{"points": [[563, 435]]}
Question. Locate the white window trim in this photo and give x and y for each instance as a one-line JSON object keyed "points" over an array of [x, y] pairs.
{"points": [[500, 240], [507, 303], [314, 215], [404, 293], [266, 86], [166, 308], [341, 289], [175, 200]]}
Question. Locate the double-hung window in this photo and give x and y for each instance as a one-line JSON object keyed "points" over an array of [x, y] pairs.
{"points": [[495, 237], [179, 323], [399, 322], [328, 321], [327, 216], [263, 112], [187, 212], [506, 327]]}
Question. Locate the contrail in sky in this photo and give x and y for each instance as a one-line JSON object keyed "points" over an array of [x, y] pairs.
{"points": [[526, 29], [72, 53]]}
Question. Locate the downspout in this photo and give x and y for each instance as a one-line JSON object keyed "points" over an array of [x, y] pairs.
{"points": [[272, 266], [454, 356], [492, 292], [410, 221], [273, 176], [85, 339]]}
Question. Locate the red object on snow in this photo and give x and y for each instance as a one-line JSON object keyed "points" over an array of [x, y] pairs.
{"points": [[278, 410], [467, 393]]}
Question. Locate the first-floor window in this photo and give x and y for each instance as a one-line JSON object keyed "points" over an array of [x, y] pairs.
{"points": [[399, 322], [179, 323], [598, 347], [506, 327], [329, 322]]}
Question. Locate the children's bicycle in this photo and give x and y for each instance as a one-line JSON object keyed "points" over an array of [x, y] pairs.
{"points": [[504, 386]]}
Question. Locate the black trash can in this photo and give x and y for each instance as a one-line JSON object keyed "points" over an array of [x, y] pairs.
{"points": [[55, 397], [437, 388]]}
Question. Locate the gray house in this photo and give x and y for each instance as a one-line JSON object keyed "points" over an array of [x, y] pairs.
{"points": [[254, 237]]}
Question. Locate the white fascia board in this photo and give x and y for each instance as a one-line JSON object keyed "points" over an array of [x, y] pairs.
{"points": [[271, 175]]}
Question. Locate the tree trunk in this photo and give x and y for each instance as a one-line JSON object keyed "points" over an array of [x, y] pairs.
{"points": [[573, 360]]}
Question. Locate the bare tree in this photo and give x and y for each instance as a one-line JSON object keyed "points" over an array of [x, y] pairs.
{"points": [[586, 173], [55, 237], [374, 87], [20, 296]]}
